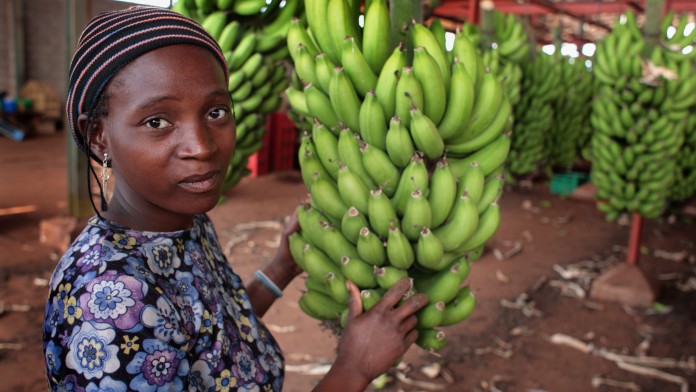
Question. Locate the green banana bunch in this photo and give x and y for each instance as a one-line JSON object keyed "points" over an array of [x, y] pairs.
{"points": [[571, 131], [252, 35], [684, 186], [639, 127], [534, 115], [403, 160]]}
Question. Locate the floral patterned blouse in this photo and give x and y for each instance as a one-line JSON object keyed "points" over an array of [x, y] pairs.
{"points": [[148, 311]]}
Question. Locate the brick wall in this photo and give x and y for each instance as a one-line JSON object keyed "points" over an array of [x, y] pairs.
{"points": [[6, 79], [45, 29]]}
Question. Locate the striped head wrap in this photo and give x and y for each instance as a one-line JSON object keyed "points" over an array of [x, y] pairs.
{"points": [[111, 41]]}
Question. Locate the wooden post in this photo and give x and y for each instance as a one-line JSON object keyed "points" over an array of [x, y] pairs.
{"points": [[79, 204]]}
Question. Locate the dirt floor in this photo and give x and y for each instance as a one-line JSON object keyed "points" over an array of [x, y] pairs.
{"points": [[527, 303]]}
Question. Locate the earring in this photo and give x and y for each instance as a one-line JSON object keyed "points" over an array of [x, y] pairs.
{"points": [[105, 180]]}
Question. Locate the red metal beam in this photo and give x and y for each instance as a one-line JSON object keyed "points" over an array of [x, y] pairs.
{"points": [[459, 8]]}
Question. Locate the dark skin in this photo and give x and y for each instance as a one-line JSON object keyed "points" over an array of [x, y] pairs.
{"points": [[170, 135]]}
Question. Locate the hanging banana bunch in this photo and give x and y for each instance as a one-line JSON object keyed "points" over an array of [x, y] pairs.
{"points": [[675, 43], [534, 114], [639, 116], [510, 51], [403, 162], [252, 35], [571, 131]]}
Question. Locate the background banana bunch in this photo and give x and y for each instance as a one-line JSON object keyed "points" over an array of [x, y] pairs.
{"points": [[571, 132], [510, 50], [252, 35], [639, 116], [534, 114], [403, 161], [684, 186]]}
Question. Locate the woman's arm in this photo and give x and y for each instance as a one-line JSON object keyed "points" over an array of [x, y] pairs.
{"points": [[281, 271], [373, 341]]}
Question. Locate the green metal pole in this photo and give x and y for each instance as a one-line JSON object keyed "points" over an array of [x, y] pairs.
{"points": [[401, 15], [487, 25], [652, 28], [79, 205]]}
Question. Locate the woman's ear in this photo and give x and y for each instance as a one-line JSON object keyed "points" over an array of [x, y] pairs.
{"points": [[97, 139]]}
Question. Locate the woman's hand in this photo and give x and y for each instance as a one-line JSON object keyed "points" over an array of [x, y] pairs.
{"points": [[283, 258], [373, 341]]}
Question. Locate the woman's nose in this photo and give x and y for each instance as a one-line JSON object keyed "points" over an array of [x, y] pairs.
{"points": [[197, 141]]}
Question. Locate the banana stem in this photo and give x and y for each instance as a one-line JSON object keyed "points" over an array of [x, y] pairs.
{"points": [[487, 25], [401, 14], [652, 28]]}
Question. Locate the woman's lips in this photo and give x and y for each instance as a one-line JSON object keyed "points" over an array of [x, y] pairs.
{"points": [[200, 183]]}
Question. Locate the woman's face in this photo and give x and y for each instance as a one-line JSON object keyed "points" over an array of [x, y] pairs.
{"points": [[170, 134]]}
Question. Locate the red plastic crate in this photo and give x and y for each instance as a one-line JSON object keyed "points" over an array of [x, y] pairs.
{"points": [[283, 139], [259, 162]]}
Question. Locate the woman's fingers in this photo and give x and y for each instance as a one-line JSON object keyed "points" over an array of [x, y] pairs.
{"points": [[408, 324], [355, 307], [394, 295], [411, 306]]}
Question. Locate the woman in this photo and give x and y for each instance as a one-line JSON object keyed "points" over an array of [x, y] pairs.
{"points": [[144, 299]]}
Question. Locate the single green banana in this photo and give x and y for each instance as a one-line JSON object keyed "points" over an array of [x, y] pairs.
{"points": [[409, 93], [425, 134], [460, 226], [472, 182], [425, 38], [387, 276], [443, 192], [319, 106], [376, 33], [380, 168], [381, 213], [399, 250], [370, 247], [387, 81], [486, 106], [431, 340], [318, 263], [373, 128], [415, 176], [337, 288], [356, 67], [326, 147], [459, 309], [326, 196], [352, 189], [399, 144], [488, 225], [431, 315], [460, 102], [350, 155], [429, 250], [426, 71], [358, 272], [417, 215], [493, 131], [489, 157], [344, 99], [351, 223], [305, 65], [320, 306]]}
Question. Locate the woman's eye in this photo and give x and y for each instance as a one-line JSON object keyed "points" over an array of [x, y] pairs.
{"points": [[157, 123], [217, 113]]}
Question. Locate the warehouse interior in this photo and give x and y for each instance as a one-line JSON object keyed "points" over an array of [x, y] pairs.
{"points": [[577, 289]]}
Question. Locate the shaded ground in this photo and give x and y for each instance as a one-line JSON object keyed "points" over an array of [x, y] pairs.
{"points": [[498, 348]]}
